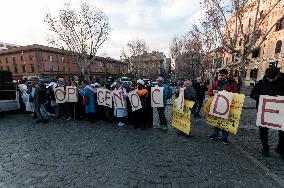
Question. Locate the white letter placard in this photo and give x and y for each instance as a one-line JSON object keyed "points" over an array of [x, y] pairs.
{"points": [[221, 104], [157, 97], [134, 100], [271, 112], [59, 94]]}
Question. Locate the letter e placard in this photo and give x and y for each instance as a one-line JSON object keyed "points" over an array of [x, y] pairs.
{"points": [[271, 112]]}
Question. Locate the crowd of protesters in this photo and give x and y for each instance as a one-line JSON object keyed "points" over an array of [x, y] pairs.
{"points": [[38, 98]]}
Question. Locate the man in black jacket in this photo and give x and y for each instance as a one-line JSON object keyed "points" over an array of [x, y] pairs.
{"points": [[40, 101], [272, 84], [200, 89]]}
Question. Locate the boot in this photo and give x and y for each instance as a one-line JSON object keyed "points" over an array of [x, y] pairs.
{"points": [[265, 151]]}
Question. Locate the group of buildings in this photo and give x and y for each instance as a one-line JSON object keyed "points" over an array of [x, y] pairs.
{"points": [[270, 52], [42, 61], [27, 62]]}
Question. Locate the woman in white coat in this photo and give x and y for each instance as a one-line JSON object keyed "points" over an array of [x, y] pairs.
{"points": [[121, 113]]}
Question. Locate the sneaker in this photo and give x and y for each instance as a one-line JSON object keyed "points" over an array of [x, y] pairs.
{"points": [[40, 120], [213, 137], [165, 128], [197, 116], [277, 150], [120, 124], [45, 121], [225, 141]]}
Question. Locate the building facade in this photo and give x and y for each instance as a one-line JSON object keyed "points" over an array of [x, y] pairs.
{"points": [[5, 46], [42, 61], [270, 53], [150, 65]]}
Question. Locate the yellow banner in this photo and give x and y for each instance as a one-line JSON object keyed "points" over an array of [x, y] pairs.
{"points": [[232, 123], [181, 120]]}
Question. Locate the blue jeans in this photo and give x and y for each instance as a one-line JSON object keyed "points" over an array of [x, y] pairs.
{"points": [[225, 134], [197, 106], [41, 112]]}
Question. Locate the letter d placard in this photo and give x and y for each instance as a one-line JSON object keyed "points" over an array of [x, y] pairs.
{"points": [[221, 104]]}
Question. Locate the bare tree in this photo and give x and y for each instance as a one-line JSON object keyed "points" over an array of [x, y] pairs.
{"points": [[134, 50], [235, 30], [81, 32], [187, 53]]}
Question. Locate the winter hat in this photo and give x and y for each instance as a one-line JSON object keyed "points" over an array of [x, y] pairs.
{"points": [[141, 82]]}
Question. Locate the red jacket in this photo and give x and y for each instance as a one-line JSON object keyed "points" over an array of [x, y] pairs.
{"points": [[230, 87]]}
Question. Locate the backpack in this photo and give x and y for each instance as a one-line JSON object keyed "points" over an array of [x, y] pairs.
{"points": [[168, 90]]}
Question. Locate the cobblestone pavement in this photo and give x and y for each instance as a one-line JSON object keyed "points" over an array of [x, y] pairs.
{"points": [[80, 154]]}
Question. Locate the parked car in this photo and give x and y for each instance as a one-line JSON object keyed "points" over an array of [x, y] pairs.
{"points": [[9, 95]]}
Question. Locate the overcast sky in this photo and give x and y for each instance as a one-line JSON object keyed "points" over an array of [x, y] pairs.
{"points": [[155, 21]]}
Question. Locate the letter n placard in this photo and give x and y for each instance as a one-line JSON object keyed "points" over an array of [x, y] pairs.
{"points": [[221, 104], [271, 112]]}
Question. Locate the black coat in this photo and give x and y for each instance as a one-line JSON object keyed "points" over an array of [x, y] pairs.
{"points": [[200, 91], [265, 87]]}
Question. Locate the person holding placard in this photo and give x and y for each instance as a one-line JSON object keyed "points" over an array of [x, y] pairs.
{"points": [[220, 85], [273, 85], [189, 94], [200, 89], [121, 111], [167, 94], [140, 120], [88, 100]]}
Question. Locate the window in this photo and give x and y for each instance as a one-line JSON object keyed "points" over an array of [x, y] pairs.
{"points": [[32, 68], [246, 39], [50, 58], [256, 53], [261, 14], [253, 74], [14, 59], [240, 42], [274, 64], [16, 69], [6, 60], [24, 68], [31, 57], [62, 59], [249, 23], [22, 57], [280, 25], [258, 33], [278, 47]]}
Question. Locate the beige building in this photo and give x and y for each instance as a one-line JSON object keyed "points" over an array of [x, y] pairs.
{"points": [[150, 65], [270, 53]]}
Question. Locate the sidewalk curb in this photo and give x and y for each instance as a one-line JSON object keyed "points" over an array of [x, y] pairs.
{"points": [[267, 171]]}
